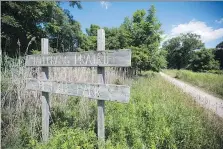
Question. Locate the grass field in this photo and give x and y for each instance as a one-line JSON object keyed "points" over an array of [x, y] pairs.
{"points": [[159, 115], [212, 83]]}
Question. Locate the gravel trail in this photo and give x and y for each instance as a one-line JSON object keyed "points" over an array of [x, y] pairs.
{"points": [[204, 99]]}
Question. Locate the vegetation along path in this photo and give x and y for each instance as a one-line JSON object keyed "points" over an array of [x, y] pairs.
{"points": [[204, 99]]}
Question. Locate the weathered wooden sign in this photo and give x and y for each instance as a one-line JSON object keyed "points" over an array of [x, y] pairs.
{"points": [[107, 58], [101, 91], [119, 93]]}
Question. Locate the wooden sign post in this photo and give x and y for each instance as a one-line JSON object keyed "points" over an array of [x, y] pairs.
{"points": [[45, 95], [101, 80], [101, 91]]}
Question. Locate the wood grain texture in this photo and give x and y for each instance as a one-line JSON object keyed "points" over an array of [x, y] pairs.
{"points": [[107, 58], [101, 80], [45, 96], [110, 92]]}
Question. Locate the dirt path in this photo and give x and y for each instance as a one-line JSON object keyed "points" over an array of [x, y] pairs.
{"points": [[204, 99]]}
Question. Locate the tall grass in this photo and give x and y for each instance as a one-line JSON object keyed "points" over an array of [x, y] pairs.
{"points": [[21, 109], [208, 81], [159, 115]]}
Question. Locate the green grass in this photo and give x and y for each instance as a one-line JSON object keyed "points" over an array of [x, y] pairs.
{"points": [[159, 115], [210, 82]]}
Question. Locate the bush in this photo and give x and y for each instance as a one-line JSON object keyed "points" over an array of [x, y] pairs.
{"points": [[69, 138]]}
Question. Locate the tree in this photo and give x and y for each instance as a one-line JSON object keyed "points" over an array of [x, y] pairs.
{"points": [[140, 58], [91, 40], [220, 45], [92, 31], [180, 49], [30, 21], [219, 54], [203, 60], [143, 31], [115, 38]]}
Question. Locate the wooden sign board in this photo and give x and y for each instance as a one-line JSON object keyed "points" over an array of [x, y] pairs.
{"points": [[107, 58], [110, 92]]}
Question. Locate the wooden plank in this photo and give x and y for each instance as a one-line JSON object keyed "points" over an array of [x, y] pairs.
{"points": [[45, 95], [107, 58], [110, 92], [45, 116], [101, 80]]}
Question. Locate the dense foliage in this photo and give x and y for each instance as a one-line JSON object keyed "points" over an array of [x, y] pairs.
{"points": [[144, 33], [180, 49], [220, 45], [219, 54], [187, 52], [203, 60], [24, 23]]}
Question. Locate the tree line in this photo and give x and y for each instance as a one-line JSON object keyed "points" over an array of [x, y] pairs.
{"points": [[187, 51], [25, 23]]}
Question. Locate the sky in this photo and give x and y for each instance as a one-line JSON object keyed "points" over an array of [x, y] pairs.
{"points": [[203, 18]]}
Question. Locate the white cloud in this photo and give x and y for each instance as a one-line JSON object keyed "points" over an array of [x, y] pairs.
{"points": [[220, 21], [105, 4], [207, 33]]}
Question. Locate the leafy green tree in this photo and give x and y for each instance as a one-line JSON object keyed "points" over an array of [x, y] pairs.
{"points": [[63, 31], [138, 32], [144, 31], [92, 31], [85, 43], [172, 47], [203, 60], [220, 45], [219, 54], [21, 21], [91, 37], [30, 21], [115, 38], [140, 58], [158, 60], [153, 30], [180, 49]]}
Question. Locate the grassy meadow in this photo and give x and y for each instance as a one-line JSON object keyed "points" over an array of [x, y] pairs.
{"points": [[210, 82], [158, 116]]}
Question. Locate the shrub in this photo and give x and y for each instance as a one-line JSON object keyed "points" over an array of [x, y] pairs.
{"points": [[69, 138]]}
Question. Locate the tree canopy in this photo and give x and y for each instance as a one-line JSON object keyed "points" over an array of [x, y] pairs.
{"points": [[180, 49], [220, 45], [25, 23], [203, 60], [219, 54]]}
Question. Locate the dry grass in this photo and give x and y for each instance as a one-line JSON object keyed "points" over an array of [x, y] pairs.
{"points": [[21, 109]]}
